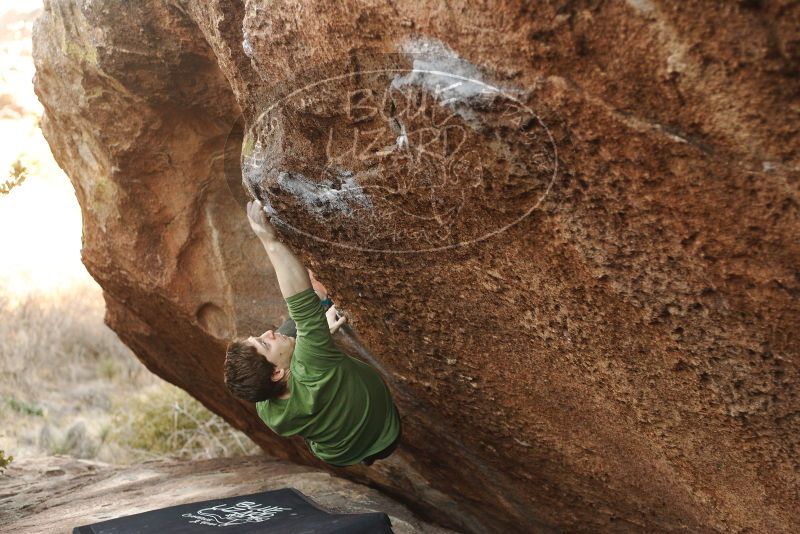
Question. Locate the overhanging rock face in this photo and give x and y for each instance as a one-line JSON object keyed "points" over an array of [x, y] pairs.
{"points": [[566, 233]]}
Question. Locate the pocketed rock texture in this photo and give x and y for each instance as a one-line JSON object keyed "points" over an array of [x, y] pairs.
{"points": [[57, 494], [566, 232]]}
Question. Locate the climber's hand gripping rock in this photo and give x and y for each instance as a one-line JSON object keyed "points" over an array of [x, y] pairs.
{"points": [[258, 221]]}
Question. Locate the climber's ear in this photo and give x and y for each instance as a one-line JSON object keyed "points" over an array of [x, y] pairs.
{"points": [[278, 374]]}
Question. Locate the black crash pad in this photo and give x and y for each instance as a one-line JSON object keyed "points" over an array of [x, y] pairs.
{"points": [[281, 511]]}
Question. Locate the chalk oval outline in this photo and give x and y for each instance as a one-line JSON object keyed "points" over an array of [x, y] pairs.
{"points": [[424, 250]]}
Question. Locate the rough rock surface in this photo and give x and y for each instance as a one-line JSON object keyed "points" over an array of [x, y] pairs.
{"points": [[569, 239], [56, 494]]}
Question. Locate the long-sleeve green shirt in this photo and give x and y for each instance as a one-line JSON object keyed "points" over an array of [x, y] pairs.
{"points": [[338, 403]]}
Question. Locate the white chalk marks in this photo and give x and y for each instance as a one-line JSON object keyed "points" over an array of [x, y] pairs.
{"points": [[407, 153]]}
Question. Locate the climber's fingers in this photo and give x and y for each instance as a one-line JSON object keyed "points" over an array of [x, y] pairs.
{"points": [[338, 323], [334, 321], [258, 220]]}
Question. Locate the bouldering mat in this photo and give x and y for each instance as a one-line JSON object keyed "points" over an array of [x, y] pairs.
{"points": [[280, 511]]}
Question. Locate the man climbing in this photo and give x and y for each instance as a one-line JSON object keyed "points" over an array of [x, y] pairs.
{"points": [[305, 384]]}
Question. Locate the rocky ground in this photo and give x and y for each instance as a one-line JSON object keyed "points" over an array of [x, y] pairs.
{"points": [[55, 494]]}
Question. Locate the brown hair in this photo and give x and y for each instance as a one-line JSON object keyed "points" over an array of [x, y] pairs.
{"points": [[248, 374]]}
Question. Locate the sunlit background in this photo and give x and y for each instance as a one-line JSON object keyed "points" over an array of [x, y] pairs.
{"points": [[67, 384], [41, 219]]}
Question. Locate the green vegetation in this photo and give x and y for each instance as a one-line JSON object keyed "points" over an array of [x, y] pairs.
{"points": [[5, 460], [24, 408], [107, 368]]}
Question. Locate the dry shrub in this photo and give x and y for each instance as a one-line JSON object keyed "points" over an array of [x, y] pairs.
{"points": [[16, 175], [68, 385], [48, 341], [166, 421]]}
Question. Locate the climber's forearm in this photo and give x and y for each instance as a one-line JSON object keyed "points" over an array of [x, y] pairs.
{"points": [[292, 276]]}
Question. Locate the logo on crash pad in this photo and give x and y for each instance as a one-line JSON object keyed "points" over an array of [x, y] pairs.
{"points": [[240, 513]]}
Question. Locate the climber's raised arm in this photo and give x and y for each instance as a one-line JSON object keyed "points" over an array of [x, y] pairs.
{"points": [[292, 276]]}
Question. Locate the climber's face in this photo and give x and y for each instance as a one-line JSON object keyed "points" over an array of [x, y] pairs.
{"points": [[276, 348]]}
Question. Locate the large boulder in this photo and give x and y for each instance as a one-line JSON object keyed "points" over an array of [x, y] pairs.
{"points": [[566, 233]]}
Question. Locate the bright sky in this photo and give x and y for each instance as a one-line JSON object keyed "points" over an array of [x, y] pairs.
{"points": [[40, 220]]}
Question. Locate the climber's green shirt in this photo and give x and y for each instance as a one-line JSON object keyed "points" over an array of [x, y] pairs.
{"points": [[339, 404]]}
